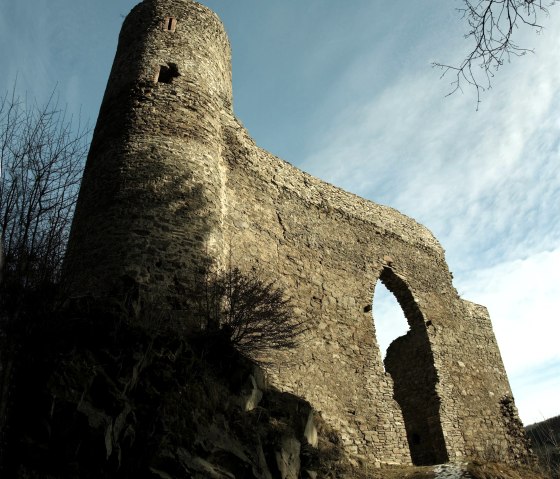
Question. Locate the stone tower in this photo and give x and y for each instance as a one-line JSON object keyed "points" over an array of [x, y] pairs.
{"points": [[174, 184], [151, 202]]}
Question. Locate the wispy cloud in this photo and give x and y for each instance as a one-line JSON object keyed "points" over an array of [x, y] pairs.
{"points": [[466, 174]]}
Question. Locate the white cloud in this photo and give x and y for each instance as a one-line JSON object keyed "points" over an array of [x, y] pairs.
{"points": [[536, 392]]}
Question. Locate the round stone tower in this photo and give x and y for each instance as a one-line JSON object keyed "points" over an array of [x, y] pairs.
{"points": [[151, 202]]}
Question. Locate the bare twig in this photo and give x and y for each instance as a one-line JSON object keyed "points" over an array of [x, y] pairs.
{"points": [[253, 313], [492, 24], [42, 151]]}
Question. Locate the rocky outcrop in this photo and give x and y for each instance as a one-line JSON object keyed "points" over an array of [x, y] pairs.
{"points": [[99, 396]]}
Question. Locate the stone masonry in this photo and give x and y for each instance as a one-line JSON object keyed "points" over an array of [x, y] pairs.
{"points": [[174, 184]]}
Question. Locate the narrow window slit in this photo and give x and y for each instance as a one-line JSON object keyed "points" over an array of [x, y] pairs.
{"points": [[169, 24]]}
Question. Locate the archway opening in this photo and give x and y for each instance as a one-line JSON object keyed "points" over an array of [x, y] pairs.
{"points": [[390, 322], [410, 363]]}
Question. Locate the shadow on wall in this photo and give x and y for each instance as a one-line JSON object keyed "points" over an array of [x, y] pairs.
{"points": [[105, 394], [410, 363]]}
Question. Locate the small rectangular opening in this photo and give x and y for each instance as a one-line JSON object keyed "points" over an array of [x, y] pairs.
{"points": [[169, 24], [166, 73]]}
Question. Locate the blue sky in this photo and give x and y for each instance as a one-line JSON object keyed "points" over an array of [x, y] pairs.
{"points": [[345, 91]]}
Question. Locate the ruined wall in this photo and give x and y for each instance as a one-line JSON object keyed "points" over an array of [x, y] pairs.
{"points": [[488, 421], [329, 248], [174, 183]]}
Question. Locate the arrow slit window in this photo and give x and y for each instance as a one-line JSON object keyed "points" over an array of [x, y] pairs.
{"points": [[170, 24]]}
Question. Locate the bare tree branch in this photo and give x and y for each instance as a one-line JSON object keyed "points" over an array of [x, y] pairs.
{"points": [[254, 314], [42, 152], [491, 25]]}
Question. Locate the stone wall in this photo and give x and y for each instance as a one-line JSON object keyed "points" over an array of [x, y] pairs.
{"points": [[175, 184]]}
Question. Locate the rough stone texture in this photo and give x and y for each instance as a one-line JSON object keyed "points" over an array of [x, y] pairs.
{"points": [[174, 184], [452, 471]]}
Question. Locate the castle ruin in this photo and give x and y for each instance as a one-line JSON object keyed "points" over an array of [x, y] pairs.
{"points": [[174, 183]]}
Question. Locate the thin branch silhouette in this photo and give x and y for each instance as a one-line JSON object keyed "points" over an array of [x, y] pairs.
{"points": [[492, 24]]}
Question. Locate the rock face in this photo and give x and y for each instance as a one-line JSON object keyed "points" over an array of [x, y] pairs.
{"points": [[102, 396], [174, 185]]}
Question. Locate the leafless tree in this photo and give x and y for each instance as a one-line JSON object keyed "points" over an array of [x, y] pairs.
{"points": [[253, 314], [491, 26], [42, 152]]}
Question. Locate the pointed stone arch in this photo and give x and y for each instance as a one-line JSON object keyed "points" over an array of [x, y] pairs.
{"points": [[397, 285], [389, 319], [410, 362]]}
